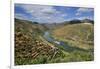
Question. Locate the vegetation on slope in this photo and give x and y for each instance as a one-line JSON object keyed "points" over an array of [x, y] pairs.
{"points": [[32, 48], [29, 47], [80, 35]]}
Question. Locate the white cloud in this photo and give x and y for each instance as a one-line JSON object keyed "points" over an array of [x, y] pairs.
{"points": [[20, 16], [43, 13], [87, 17], [83, 10], [78, 13]]}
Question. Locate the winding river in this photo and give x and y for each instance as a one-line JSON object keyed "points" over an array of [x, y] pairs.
{"points": [[47, 36]]}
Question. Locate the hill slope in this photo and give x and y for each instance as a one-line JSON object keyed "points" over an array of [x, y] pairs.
{"points": [[32, 48], [76, 33]]}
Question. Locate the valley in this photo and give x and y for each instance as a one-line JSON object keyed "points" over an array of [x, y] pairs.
{"points": [[40, 43]]}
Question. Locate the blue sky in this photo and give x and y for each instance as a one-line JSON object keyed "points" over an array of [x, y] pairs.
{"points": [[51, 14]]}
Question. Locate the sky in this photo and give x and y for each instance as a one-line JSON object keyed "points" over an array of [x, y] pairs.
{"points": [[51, 14]]}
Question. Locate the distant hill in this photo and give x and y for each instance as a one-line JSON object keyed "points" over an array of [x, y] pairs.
{"points": [[87, 21], [76, 21]]}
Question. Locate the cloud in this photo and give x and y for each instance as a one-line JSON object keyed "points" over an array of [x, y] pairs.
{"points": [[80, 11], [85, 17], [84, 10], [20, 16], [42, 13]]}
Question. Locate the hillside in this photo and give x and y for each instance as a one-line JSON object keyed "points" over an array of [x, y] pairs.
{"points": [[78, 34], [62, 42], [30, 47]]}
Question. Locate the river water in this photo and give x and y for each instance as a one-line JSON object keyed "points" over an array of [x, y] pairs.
{"points": [[47, 36]]}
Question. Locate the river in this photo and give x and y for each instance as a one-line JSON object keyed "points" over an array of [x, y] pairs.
{"points": [[47, 36]]}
